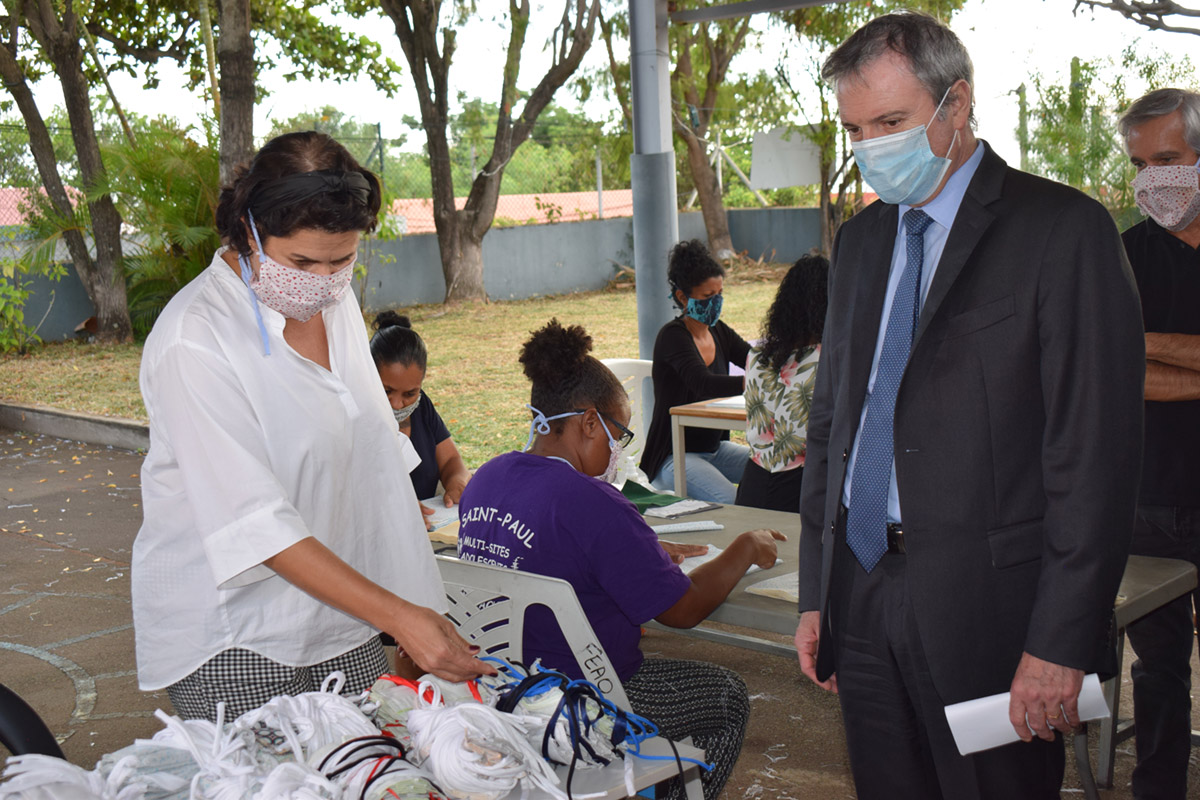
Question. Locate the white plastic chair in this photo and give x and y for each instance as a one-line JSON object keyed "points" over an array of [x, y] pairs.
{"points": [[488, 604], [634, 374]]}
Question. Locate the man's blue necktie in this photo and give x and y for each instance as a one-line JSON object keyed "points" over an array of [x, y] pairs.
{"points": [[866, 521]]}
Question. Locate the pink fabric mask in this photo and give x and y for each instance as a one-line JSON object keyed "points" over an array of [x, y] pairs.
{"points": [[1170, 195], [296, 293]]}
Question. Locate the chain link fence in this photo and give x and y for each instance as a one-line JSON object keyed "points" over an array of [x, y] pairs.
{"points": [[20, 183], [570, 176]]}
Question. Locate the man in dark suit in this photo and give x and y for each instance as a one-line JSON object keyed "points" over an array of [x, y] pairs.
{"points": [[975, 438]]}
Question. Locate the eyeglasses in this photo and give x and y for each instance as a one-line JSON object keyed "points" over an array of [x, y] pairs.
{"points": [[626, 435]]}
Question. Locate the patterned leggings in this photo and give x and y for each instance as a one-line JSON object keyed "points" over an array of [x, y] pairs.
{"points": [[696, 699], [244, 680]]}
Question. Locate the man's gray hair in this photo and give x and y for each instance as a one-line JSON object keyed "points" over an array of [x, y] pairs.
{"points": [[936, 56], [1159, 103]]}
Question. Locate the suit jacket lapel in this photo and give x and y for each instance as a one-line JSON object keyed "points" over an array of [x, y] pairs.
{"points": [[971, 222], [870, 291]]}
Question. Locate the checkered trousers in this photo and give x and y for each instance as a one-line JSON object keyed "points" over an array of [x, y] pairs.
{"points": [[245, 680]]}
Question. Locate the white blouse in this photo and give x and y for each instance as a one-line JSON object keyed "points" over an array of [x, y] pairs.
{"points": [[250, 454]]}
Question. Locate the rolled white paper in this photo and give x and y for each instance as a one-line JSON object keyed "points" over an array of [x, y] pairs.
{"points": [[983, 723]]}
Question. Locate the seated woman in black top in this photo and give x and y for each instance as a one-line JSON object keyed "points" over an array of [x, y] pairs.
{"points": [[401, 358], [692, 355]]}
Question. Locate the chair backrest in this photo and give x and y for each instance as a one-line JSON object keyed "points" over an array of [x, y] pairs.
{"points": [[634, 374], [488, 605]]}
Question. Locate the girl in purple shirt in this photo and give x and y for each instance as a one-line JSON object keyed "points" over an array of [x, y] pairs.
{"points": [[551, 510]]}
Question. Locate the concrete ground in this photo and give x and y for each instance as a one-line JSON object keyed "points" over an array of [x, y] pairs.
{"points": [[68, 516]]}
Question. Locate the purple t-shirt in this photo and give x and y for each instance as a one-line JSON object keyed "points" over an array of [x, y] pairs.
{"points": [[538, 514]]}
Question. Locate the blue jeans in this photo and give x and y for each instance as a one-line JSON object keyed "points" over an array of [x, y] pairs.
{"points": [[710, 476], [1162, 674]]}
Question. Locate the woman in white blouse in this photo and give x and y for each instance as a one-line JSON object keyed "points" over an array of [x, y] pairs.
{"points": [[281, 534]]}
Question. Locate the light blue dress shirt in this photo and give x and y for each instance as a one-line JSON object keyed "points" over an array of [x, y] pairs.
{"points": [[943, 209]]}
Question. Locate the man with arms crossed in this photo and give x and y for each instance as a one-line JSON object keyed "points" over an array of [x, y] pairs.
{"points": [[1162, 137], [975, 437]]}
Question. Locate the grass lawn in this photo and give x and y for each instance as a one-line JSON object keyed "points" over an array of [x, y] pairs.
{"points": [[473, 376]]}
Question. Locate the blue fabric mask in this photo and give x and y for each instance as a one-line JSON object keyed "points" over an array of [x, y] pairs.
{"points": [[707, 310], [901, 167]]}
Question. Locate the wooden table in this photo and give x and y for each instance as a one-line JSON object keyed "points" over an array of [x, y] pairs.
{"points": [[703, 414]]}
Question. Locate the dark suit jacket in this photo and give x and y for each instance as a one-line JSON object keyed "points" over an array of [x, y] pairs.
{"points": [[1018, 428]]}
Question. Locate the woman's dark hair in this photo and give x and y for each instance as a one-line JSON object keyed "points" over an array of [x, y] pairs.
{"points": [[298, 181], [395, 342], [690, 265], [564, 376], [797, 315]]}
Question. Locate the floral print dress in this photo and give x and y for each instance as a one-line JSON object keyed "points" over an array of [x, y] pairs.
{"points": [[777, 406]]}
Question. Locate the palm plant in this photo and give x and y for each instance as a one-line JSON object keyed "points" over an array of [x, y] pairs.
{"points": [[166, 187]]}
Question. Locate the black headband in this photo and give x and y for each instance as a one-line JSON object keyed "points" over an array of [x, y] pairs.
{"points": [[292, 189]]}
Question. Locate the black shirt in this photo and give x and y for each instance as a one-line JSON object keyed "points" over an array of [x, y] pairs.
{"points": [[1168, 277], [428, 431], [681, 376]]}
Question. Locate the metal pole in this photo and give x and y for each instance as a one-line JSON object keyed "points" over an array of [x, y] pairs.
{"points": [[720, 172], [379, 142], [652, 167], [599, 185]]}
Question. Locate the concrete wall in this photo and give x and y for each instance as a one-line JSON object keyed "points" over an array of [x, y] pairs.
{"points": [[535, 260], [521, 262]]}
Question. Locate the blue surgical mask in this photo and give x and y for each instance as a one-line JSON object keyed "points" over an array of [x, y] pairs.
{"points": [[707, 310], [901, 167]]}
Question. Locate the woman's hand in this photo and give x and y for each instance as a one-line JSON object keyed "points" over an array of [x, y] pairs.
{"points": [[764, 551], [428, 637], [454, 488], [433, 643], [426, 513], [678, 552]]}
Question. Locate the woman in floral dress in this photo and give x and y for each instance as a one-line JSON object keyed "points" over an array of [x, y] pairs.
{"points": [[780, 374]]}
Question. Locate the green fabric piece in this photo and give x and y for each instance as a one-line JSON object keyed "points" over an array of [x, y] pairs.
{"points": [[645, 498]]}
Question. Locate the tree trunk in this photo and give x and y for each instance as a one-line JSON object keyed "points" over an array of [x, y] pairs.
{"points": [[462, 260], [43, 156], [103, 278], [460, 232], [712, 206], [235, 56]]}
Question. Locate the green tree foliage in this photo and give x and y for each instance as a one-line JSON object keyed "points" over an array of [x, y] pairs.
{"points": [[16, 280], [17, 167], [1073, 135], [559, 156], [362, 139], [297, 36], [167, 187]]}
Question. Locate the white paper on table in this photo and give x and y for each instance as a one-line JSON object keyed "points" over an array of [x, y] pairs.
{"points": [[983, 723], [691, 563], [781, 587], [730, 402], [441, 516], [680, 508]]}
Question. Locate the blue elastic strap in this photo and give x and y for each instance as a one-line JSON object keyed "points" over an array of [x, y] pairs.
{"points": [[541, 423], [247, 275]]}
